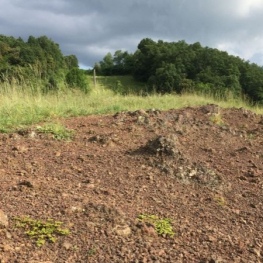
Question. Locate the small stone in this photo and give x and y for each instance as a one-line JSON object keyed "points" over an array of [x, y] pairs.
{"points": [[67, 245], [6, 247], [211, 239], [123, 230], [8, 235], [20, 148], [57, 154], [32, 134], [26, 183], [257, 252], [3, 219], [91, 226], [161, 252], [236, 211], [76, 209]]}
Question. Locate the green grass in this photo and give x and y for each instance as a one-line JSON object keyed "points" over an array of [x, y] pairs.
{"points": [[58, 131], [21, 107], [122, 84]]}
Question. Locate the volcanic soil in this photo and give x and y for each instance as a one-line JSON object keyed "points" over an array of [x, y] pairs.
{"points": [[180, 185]]}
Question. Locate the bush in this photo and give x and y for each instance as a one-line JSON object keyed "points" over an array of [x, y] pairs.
{"points": [[76, 78]]}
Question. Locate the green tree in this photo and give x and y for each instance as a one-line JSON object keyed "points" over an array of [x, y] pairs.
{"points": [[106, 65], [122, 63], [252, 82], [71, 61], [76, 78], [167, 79]]}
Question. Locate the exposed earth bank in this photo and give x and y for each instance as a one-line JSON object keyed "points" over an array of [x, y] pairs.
{"points": [[147, 186]]}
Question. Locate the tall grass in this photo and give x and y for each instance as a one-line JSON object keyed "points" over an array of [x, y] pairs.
{"points": [[20, 106]]}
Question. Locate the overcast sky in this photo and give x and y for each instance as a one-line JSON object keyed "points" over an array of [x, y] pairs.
{"points": [[90, 29]]}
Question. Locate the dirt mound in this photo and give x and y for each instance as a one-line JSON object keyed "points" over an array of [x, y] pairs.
{"points": [[146, 186], [169, 159]]}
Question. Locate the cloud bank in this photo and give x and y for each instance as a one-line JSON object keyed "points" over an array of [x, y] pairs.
{"points": [[91, 28]]}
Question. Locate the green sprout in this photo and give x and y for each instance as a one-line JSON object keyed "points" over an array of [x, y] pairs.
{"points": [[41, 231], [163, 226]]}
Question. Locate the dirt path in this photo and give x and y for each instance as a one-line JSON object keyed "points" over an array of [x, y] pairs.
{"points": [[199, 169]]}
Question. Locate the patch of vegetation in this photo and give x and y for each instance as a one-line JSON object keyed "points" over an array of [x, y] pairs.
{"points": [[58, 131], [38, 65], [176, 67], [19, 106], [91, 252], [217, 119], [220, 200], [122, 84], [163, 226], [41, 231], [77, 78]]}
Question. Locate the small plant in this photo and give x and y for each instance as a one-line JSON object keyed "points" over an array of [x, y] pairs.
{"points": [[57, 130], [41, 231], [220, 200], [251, 136], [91, 252], [162, 226], [217, 119]]}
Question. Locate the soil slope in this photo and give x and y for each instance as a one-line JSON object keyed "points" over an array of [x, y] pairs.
{"points": [[201, 169]]}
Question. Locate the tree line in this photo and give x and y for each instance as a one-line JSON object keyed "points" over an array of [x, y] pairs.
{"points": [[177, 66], [41, 60]]}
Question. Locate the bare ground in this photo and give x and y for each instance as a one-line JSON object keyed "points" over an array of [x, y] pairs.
{"points": [[202, 168]]}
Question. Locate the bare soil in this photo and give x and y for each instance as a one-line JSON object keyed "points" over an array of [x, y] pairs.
{"points": [[201, 168]]}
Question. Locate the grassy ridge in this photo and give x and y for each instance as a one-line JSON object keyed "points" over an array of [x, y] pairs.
{"points": [[19, 107]]}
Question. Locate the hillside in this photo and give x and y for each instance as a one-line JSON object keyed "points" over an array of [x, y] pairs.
{"points": [[178, 67], [123, 178]]}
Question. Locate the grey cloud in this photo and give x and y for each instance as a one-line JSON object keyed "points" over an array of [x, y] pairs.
{"points": [[91, 28]]}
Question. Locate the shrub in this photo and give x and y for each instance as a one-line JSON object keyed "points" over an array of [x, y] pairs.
{"points": [[76, 78]]}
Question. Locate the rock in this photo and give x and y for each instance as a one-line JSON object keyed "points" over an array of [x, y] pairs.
{"points": [[256, 252], [20, 148], [8, 235], [123, 230], [6, 248], [164, 145], [3, 219], [26, 183], [67, 245]]}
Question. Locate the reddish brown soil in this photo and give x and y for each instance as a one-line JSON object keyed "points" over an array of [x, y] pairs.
{"points": [[200, 167]]}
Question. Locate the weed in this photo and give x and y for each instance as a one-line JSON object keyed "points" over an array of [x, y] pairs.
{"points": [[217, 119], [251, 136], [41, 231], [91, 252], [57, 130], [162, 226], [220, 200]]}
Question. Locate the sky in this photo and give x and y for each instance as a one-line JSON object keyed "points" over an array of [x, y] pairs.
{"points": [[90, 29]]}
